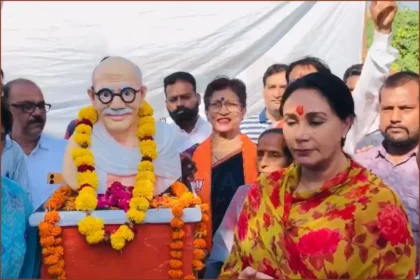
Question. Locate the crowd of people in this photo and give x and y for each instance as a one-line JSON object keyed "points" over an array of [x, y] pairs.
{"points": [[322, 184]]}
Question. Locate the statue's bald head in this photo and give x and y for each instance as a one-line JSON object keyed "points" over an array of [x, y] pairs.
{"points": [[117, 89], [116, 68]]}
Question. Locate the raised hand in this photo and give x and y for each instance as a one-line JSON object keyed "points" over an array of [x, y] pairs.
{"points": [[383, 14]]}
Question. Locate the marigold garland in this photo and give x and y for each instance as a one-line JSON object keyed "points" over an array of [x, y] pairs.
{"points": [[142, 199], [185, 199], [50, 233], [93, 228]]}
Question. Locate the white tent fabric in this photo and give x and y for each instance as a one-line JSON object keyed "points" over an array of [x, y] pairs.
{"points": [[57, 44]]}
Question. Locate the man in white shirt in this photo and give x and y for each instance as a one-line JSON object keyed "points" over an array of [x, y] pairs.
{"points": [[44, 154], [183, 102]]}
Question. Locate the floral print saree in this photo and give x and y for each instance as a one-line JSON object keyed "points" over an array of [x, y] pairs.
{"points": [[353, 226]]}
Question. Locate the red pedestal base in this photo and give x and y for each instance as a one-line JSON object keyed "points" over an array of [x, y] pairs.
{"points": [[146, 257]]}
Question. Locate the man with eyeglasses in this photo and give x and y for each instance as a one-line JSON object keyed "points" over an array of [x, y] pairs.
{"points": [[44, 153]]}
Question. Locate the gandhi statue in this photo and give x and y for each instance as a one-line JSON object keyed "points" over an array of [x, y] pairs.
{"points": [[117, 94]]}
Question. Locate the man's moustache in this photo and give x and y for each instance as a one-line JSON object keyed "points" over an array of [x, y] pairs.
{"points": [[36, 121]]}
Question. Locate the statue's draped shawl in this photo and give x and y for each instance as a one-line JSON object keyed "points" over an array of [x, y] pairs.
{"points": [[115, 159]]}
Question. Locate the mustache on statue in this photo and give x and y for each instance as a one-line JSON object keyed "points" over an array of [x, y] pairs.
{"points": [[117, 112]]}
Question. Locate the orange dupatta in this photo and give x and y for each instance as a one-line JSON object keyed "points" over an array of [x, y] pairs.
{"points": [[203, 159]]}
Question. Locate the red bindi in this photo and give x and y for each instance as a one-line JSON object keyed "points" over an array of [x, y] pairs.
{"points": [[299, 110]]}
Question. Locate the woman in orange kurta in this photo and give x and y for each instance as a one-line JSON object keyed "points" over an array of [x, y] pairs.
{"points": [[325, 217], [227, 159]]}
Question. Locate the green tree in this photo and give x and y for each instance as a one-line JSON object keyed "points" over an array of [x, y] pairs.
{"points": [[405, 38]]}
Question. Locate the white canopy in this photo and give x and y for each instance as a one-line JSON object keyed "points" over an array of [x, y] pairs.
{"points": [[57, 44]]}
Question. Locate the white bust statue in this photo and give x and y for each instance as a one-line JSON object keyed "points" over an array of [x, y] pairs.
{"points": [[117, 94]]}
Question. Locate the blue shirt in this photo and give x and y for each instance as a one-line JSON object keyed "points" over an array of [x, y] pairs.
{"points": [[15, 211], [47, 158], [13, 164]]}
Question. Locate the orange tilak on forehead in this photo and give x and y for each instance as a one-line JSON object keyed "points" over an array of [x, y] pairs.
{"points": [[299, 110]]}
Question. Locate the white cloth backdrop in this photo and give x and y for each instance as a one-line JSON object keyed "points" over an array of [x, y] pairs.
{"points": [[57, 44]]}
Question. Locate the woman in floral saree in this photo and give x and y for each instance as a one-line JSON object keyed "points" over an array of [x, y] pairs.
{"points": [[324, 217]]}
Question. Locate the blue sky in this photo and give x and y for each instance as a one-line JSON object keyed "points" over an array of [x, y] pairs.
{"points": [[411, 4]]}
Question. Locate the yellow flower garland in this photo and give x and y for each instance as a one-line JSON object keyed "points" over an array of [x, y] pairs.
{"points": [[93, 228]]}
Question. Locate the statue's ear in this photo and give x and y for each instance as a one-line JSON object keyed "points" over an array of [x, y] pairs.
{"points": [[143, 92], [91, 94]]}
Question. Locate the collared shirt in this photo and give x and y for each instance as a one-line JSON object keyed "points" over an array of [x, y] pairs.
{"points": [[372, 139], [254, 126], [46, 159], [13, 164], [201, 131], [403, 178]]}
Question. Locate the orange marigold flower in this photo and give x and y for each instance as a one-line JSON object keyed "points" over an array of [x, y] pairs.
{"points": [[45, 229], [199, 243], [48, 251], [199, 254], [178, 188], [57, 268], [204, 207], [202, 226], [205, 218], [175, 254], [175, 264], [177, 211], [55, 231], [175, 273], [52, 217], [65, 190], [59, 250], [190, 277], [51, 259], [60, 263], [177, 245], [198, 265], [177, 223], [47, 241], [196, 200], [178, 234], [58, 241]]}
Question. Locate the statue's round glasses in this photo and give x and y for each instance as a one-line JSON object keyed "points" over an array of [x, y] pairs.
{"points": [[127, 95]]}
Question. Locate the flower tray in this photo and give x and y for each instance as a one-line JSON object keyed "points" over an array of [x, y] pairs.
{"points": [[146, 257]]}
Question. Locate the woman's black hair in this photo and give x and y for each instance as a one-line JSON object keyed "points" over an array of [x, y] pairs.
{"points": [[6, 119], [286, 150], [221, 83], [331, 87]]}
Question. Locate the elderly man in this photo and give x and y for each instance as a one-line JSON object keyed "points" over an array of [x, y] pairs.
{"points": [[117, 95]]}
